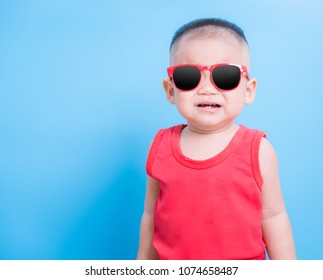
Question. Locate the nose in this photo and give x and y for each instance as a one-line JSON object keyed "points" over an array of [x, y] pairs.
{"points": [[206, 86]]}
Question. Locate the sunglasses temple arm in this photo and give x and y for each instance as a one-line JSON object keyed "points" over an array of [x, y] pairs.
{"points": [[245, 71]]}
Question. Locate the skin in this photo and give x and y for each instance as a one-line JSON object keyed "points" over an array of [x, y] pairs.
{"points": [[209, 131]]}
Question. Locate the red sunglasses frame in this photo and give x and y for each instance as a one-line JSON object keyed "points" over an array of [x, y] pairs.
{"points": [[243, 71]]}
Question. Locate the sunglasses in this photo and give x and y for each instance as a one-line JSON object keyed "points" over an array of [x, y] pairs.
{"points": [[223, 76]]}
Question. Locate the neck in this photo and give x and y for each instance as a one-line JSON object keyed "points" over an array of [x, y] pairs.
{"points": [[198, 131]]}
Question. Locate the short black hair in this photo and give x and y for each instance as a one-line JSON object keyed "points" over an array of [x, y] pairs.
{"points": [[208, 22]]}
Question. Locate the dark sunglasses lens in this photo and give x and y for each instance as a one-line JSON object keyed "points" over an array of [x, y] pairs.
{"points": [[186, 77], [226, 77]]}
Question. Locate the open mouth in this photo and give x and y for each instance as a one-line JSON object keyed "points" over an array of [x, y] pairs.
{"points": [[209, 105]]}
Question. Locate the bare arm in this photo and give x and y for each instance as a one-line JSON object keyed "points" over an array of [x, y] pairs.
{"points": [[146, 250], [276, 227]]}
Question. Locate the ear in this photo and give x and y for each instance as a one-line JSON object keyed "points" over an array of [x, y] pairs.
{"points": [[169, 90], [250, 91]]}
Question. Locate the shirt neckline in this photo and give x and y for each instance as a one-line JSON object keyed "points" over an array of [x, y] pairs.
{"points": [[201, 164]]}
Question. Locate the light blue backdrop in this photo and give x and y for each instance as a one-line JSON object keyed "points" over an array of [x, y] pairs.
{"points": [[81, 99]]}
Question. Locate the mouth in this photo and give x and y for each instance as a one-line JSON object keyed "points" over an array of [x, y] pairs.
{"points": [[208, 105]]}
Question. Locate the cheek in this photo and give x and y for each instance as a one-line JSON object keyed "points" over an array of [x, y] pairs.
{"points": [[182, 98], [183, 102], [235, 101]]}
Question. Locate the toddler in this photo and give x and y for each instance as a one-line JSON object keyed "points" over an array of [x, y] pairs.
{"points": [[213, 189]]}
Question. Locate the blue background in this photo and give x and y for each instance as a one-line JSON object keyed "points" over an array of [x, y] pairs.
{"points": [[81, 98]]}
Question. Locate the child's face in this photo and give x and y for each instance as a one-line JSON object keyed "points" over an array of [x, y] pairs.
{"points": [[206, 108]]}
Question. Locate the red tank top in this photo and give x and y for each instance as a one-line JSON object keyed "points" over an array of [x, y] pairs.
{"points": [[207, 209]]}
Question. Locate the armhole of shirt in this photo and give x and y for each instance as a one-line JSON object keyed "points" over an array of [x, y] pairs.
{"points": [[153, 150], [255, 146]]}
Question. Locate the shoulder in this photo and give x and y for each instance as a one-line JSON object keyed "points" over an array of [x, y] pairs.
{"points": [[256, 138], [167, 132], [266, 151], [161, 142], [268, 160], [264, 159]]}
